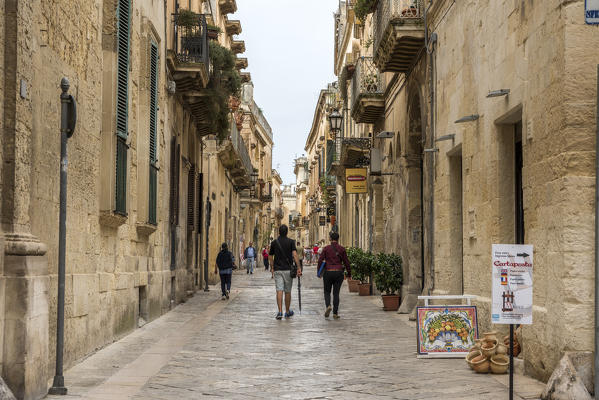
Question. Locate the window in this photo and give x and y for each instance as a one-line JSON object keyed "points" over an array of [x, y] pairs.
{"points": [[123, 33], [153, 187]]}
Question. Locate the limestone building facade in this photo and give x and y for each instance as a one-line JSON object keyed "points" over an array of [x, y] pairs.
{"points": [[144, 163], [477, 124]]}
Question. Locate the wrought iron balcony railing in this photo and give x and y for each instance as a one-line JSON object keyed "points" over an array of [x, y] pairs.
{"points": [[257, 112], [191, 41], [241, 149], [367, 91], [407, 15]]}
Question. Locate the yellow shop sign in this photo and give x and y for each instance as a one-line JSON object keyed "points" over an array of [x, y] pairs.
{"points": [[356, 180]]}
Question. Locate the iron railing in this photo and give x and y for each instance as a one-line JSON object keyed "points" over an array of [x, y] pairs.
{"points": [[337, 152], [394, 11], [261, 118], [266, 191], [240, 147], [191, 41], [367, 80]]}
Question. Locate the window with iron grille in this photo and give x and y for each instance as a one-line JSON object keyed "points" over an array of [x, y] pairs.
{"points": [[153, 133], [200, 186], [122, 100]]}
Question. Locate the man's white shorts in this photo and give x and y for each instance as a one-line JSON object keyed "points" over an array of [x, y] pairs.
{"points": [[283, 281]]}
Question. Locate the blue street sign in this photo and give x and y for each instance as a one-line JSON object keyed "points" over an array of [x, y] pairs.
{"points": [[591, 12]]}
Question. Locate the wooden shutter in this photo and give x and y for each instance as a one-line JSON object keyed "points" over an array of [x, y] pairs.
{"points": [[191, 192], [200, 201], [153, 142], [174, 193], [123, 32]]}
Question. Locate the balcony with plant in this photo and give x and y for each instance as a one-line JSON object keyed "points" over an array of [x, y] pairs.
{"points": [[188, 55], [367, 97]]}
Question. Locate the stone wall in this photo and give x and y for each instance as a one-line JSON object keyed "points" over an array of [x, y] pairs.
{"points": [[115, 274]]}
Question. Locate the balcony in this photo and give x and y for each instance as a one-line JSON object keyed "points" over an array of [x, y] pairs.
{"points": [[233, 27], [367, 97], [265, 192], [355, 152], [234, 156], [241, 63], [227, 6], [238, 46], [398, 34], [188, 55], [246, 77]]}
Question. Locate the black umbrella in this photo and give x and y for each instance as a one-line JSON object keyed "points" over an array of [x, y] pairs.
{"points": [[299, 293]]}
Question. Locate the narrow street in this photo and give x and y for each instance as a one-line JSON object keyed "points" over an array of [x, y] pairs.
{"points": [[236, 350]]}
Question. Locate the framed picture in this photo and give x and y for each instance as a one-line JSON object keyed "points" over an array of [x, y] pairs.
{"points": [[446, 331]]}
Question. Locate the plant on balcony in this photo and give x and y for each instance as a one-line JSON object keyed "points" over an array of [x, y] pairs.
{"points": [[363, 8], [224, 83], [213, 31]]}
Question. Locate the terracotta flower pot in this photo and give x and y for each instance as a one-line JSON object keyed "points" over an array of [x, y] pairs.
{"points": [[212, 34], [501, 349], [490, 336], [472, 355], [352, 284], [390, 302], [364, 289], [489, 348], [499, 363], [480, 364]]}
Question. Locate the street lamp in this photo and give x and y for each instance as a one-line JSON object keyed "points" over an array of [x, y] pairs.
{"points": [[335, 119]]}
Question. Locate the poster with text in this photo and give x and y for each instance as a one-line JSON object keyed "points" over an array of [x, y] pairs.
{"points": [[512, 266]]}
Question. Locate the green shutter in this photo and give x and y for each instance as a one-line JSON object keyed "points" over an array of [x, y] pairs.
{"points": [[121, 176], [122, 97], [153, 141], [191, 180]]}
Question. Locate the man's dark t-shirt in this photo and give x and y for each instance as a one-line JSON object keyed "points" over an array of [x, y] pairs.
{"points": [[283, 254]]}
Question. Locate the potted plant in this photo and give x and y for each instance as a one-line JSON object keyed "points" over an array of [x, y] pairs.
{"points": [[388, 277], [354, 281], [213, 31], [188, 20], [361, 269]]}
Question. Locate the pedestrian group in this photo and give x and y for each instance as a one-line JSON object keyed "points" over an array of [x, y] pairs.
{"points": [[285, 258]]}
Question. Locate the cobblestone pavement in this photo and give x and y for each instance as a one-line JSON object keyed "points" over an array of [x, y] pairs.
{"points": [[235, 349]]}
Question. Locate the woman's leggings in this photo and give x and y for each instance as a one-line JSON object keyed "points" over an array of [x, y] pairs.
{"points": [[334, 280], [225, 283]]}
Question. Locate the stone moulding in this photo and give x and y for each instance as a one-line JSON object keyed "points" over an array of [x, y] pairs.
{"points": [[23, 244], [111, 219], [145, 228]]}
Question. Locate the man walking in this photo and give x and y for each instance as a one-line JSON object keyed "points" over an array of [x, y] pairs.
{"points": [[250, 255], [282, 255]]}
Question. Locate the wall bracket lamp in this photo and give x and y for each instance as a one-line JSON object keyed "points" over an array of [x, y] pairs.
{"points": [[451, 136], [498, 93], [468, 118]]}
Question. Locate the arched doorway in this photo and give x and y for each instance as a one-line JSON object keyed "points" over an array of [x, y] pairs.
{"points": [[413, 248]]}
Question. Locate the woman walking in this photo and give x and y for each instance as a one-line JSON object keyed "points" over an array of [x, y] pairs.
{"points": [[265, 258], [335, 257], [225, 264]]}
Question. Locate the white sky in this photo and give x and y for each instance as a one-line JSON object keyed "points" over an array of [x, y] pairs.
{"points": [[289, 46]]}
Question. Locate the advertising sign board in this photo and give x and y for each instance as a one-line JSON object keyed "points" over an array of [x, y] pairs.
{"points": [[355, 180], [591, 12], [512, 266]]}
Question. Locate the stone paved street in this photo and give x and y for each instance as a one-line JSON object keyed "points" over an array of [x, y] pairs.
{"points": [[236, 350]]}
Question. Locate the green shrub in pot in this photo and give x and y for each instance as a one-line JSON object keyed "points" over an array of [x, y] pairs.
{"points": [[388, 273]]}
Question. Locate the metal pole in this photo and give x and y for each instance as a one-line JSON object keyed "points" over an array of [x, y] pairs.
{"points": [[596, 377], [65, 99], [208, 215], [511, 361]]}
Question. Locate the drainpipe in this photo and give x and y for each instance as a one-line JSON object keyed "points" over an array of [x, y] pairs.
{"points": [[596, 377], [431, 233]]}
